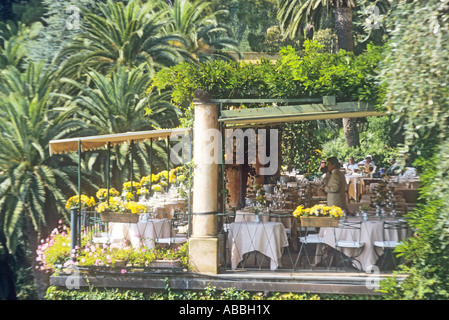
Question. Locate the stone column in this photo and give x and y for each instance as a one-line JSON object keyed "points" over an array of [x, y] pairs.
{"points": [[203, 244]]}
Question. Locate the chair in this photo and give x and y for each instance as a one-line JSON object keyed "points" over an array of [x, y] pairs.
{"points": [[347, 236], [171, 241], [174, 238], [309, 240], [399, 230]]}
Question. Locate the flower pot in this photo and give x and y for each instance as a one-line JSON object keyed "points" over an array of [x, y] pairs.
{"points": [[119, 217], [165, 264], [319, 221], [120, 263]]}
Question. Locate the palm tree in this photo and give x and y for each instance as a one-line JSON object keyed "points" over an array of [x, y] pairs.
{"points": [[294, 14], [206, 38], [119, 104], [14, 43], [32, 185], [128, 36]]}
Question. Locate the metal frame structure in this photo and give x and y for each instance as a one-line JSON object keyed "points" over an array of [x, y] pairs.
{"points": [[299, 109], [91, 143], [285, 111]]}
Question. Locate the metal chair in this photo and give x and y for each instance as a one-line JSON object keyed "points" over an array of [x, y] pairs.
{"points": [[385, 247], [311, 240], [174, 238], [350, 240]]}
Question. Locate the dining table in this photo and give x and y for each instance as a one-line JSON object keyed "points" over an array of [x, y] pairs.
{"points": [[145, 232], [268, 238], [372, 229], [285, 216], [357, 184]]}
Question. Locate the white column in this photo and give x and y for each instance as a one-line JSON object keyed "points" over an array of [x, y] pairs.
{"points": [[203, 244]]}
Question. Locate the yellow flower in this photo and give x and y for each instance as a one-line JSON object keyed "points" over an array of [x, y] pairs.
{"points": [[145, 181], [129, 196], [121, 206], [318, 211], [298, 211], [103, 193], [86, 202], [163, 175], [156, 187], [127, 186], [143, 191]]}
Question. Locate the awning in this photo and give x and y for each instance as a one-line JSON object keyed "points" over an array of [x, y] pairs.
{"points": [[102, 141], [314, 111]]}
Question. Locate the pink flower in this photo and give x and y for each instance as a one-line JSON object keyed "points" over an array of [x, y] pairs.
{"points": [[123, 271]]}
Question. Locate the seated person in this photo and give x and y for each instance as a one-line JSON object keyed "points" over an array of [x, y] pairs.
{"points": [[368, 165], [351, 166], [394, 168], [323, 166]]}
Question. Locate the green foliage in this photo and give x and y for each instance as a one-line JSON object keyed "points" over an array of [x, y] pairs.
{"points": [[312, 73], [300, 146], [54, 252], [249, 21], [198, 23], [32, 184], [53, 33], [28, 12], [381, 140], [209, 293], [123, 35], [118, 104], [415, 71], [428, 249], [415, 77], [344, 75]]}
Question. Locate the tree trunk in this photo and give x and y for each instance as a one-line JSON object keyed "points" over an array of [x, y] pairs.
{"points": [[351, 133], [343, 24]]}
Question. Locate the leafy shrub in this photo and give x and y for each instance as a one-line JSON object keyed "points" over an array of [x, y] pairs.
{"points": [[310, 73], [381, 141], [55, 250], [428, 249]]}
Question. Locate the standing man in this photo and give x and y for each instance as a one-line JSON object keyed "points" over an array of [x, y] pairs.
{"points": [[335, 184]]}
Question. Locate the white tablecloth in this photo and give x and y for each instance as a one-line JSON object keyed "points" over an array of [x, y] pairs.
{"points": [[144, 232], [268, 238], [284, 216], [371, 230]]}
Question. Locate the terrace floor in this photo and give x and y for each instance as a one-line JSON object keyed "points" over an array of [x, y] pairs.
{"points": [[307, 281]]}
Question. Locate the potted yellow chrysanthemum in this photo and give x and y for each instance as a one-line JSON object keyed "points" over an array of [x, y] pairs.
{"points": [[86, 202], [319, 216], [120, 211]]}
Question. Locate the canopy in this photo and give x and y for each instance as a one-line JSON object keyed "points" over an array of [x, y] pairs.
{"points": [[293, 113], [102, 141]]}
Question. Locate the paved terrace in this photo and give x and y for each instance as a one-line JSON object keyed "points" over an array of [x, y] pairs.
{"points": [[320, 282]]}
